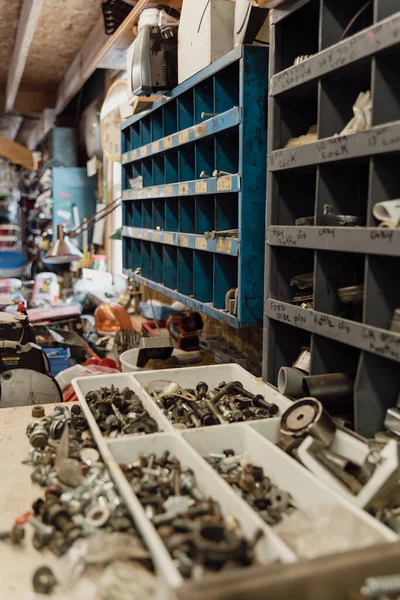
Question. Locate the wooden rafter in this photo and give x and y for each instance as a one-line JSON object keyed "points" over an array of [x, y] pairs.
{"points": [[16, 153], [29, 17], [98, 50]]}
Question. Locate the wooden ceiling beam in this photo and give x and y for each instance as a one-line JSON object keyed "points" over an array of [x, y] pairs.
{"points": [[28, 19], [16, 153], [99, 49]]}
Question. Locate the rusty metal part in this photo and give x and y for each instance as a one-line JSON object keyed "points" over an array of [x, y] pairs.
{"points": [[38, 412], [44, 581], [307, 417], [332, 389], [15, 535]]}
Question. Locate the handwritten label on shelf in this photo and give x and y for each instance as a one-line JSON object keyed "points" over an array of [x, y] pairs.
{"points": [[168, 238], [224, 245], [201, 243], [156, 236], [224, 183], [201, 187], [155, 147], [125, 157], [184, 240], [333, 148], [183, 189], [168, 142], [125, 195], [134, 155], [137, 233], [167, 190], [143, 151], [144, 193], [183, 136], [155, 191], [200, 130], [284, 238]]}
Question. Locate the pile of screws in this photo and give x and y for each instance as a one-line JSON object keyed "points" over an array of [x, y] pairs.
{"points": [[249, 481], [191, 525], [80, 497], [227, 403], [119, 413]]}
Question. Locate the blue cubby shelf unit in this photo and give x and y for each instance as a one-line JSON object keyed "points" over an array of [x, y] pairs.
{"points": [[214, 121]]}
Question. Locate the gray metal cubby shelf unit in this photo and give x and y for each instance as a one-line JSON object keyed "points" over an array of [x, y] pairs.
{"points": [[214, 121], [350, 173]]}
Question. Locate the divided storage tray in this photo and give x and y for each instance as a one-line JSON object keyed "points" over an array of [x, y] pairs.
{"points": [[215, 121], [257, 438], [351, 173]]}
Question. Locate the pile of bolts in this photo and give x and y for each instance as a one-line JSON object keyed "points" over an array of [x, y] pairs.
{"points": [[227, 403], [80, 498], [191, 525], [119, 413], [249, 481]]}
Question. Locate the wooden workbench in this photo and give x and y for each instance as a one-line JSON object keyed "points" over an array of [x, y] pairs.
{"points": [[18, 563]]}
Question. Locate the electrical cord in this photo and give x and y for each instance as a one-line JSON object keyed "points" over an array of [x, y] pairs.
{"points": [[354, 19], [202, 16], [244, 20]]}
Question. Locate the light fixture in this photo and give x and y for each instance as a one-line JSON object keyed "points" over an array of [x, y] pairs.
{"points": [[63, 250]]}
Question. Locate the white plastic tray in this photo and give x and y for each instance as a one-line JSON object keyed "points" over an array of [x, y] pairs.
{"points": [[83, 385], [126, 450], [283, 470], [343, 444], [212, 375]]}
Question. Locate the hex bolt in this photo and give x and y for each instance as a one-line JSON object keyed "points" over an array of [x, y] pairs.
{"points": [[66, 412], [45, 530], [258, 400], [188, 483]]}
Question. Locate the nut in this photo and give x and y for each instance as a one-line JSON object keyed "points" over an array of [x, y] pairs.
{"points": [[38, 412]]}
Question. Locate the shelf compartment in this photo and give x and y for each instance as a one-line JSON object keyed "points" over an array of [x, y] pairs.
{"points": [[371, 240], [336, 110], [225, 278], [226, 88], [377, 140], [365, 337], [158, 215], [336, 270], [366, 43], [145, 258], [283, 344], [187, 214], [298, 112], [292, 41], [157, 262], [344, 187], [293, 195], [386, 106], [205, 214], [170, 270], [335, 24], [185, 271], [289, 264], [385, 8], [213, 185], [207, 128], [229, 246], [203, 265], [384, 182], [382, 291], [377, 389], [207, 309]]}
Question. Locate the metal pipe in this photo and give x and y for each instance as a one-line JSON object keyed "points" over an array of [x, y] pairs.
{"points": [[331, 389]]}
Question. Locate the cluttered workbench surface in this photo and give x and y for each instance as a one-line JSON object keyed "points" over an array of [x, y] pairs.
{"points": [[18, 493]]}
